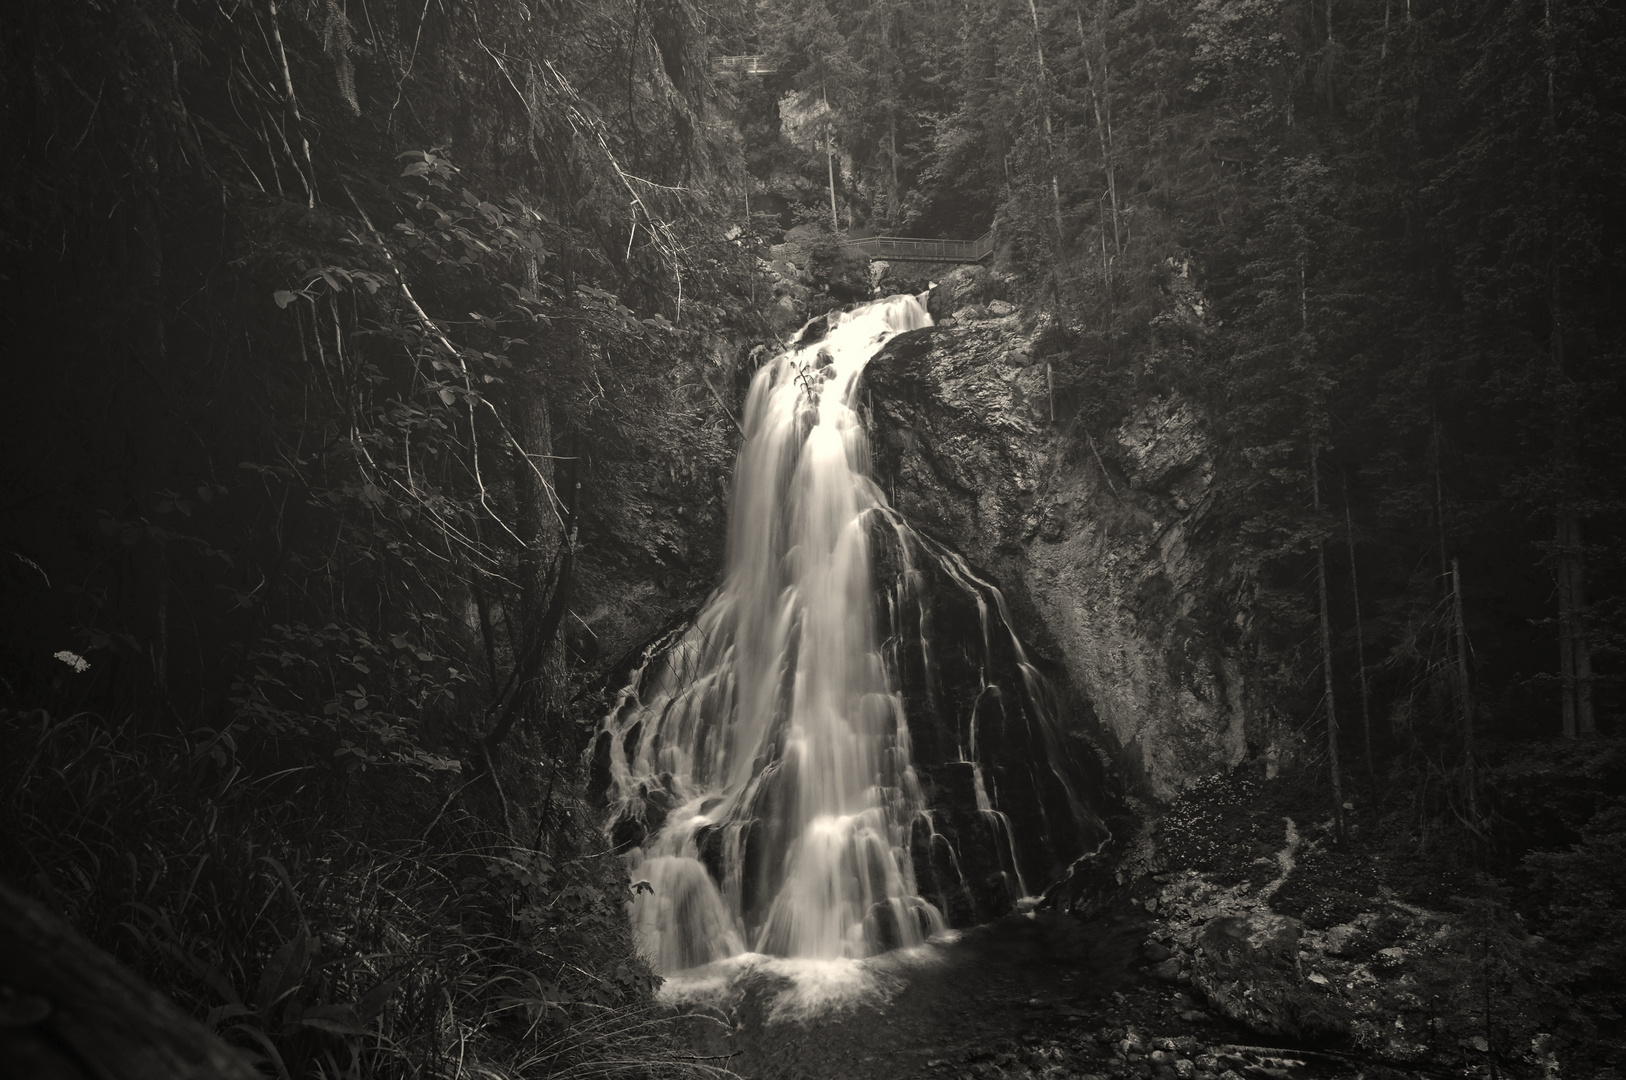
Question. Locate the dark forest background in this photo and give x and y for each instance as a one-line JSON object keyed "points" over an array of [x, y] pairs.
{"points": [[334, 326]]}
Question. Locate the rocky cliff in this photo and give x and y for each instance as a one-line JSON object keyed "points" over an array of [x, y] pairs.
{"points": [[1104, 542], [1107, 543]]}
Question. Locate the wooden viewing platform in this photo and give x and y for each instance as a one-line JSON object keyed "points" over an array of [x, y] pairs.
{"points": [[916, 249], [742, 65]]}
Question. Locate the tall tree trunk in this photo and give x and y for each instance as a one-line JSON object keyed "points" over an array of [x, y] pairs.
{"points": [[488, 633], [1332, 100], [895, 210], [830, 161], [1321, 579], [536, 522], [1044, 113], [1103, 125], [1326, 644], [542, 627], [1360, 635], [146, 402], [1106, 283], [1575, 652], [1465, 708], [1435, 453]]}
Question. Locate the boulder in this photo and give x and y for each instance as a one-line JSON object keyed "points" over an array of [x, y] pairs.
{"points": [[965, 286], [786, 314], [1247, 966], [816, 330]]}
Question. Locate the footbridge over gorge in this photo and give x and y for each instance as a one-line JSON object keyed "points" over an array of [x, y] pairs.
{"points": [[917, 249]]}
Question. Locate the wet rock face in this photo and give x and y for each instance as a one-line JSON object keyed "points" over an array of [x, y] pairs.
{"points": [[1012, 799], [1098, 540]]}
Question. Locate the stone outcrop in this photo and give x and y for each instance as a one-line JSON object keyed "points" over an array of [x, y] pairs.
{"points": [[812, 272], [1102, 540]]}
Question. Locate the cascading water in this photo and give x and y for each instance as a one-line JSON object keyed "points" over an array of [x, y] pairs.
{"points": [[764, 755]]}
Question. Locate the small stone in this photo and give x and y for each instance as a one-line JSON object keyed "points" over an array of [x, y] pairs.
{"points": [[1168, 970], [1156, 952], [1341, 940], [1184, 1069], [999, 308], [1317, 978]]}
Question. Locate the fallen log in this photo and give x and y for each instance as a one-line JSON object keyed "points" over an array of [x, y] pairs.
{"points": [[69, 1011]]}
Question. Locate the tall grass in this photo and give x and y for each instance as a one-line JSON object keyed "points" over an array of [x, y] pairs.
{"points": [[334, 924]]}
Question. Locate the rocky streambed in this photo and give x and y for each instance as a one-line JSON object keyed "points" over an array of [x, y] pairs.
{"points": [[1237, 941], [1232, 935]]}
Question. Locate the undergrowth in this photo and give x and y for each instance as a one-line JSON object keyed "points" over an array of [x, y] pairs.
{"points": [[334, 923]]}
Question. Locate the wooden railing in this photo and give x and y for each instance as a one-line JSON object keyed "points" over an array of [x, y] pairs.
{"points": [[742, 65], [915, 249]]}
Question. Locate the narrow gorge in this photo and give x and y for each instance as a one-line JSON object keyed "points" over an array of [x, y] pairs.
{"points": [[797, 540]]}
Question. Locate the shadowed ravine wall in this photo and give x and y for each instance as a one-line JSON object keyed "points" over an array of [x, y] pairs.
{"points": [[1109, 556], [1105, 551]]}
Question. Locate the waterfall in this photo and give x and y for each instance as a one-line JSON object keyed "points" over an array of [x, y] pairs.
{"points": [[769, 736], [760, 764]]}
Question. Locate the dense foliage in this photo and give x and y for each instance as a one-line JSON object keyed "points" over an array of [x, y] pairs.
{"points": [[331, 326], [337, 327], [1376, 243], [1376, 239]]}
